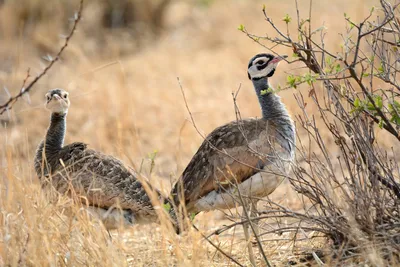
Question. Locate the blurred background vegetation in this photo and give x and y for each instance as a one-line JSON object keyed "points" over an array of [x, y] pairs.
{"points": [[124, 60]]}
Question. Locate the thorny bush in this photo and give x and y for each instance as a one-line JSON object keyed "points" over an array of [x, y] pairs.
{"points": [[350, 196]]}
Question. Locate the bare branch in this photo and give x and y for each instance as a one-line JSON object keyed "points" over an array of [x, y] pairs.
{"points": [[26, 88]]}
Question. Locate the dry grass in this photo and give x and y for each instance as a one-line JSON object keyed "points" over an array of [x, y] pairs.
{"points": [[127, 102]]}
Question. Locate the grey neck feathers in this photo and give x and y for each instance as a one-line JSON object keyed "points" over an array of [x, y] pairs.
{"points": [[56, 132], [53, 142], [271, 105], [273, 109]]}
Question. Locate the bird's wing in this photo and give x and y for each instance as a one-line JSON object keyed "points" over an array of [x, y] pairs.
{"points": [[235, 151], [102, 179]]}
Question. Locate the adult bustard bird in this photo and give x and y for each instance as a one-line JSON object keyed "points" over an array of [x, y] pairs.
{"points": [[252, 155], [103, 181]]}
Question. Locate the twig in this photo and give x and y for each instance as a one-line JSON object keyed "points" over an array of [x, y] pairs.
{"points": [[217, 247]]}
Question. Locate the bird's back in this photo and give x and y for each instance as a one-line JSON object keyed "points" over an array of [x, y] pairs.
{"points": [[103, 180], [234, 151]]}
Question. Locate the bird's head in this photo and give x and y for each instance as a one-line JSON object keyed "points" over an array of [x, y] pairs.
{"points": [[263, 66], [57, 101]]}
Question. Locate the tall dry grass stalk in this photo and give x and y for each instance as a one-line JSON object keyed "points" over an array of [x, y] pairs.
{"points": [[35, 232]]}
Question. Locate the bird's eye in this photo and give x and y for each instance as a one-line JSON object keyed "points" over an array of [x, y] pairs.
{"points": [[260, 62], [48, 98], [65, 96]]}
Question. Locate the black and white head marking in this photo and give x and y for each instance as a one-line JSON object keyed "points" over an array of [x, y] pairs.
{"points": [[263, 65]]}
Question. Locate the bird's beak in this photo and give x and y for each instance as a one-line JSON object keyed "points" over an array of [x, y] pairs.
{"points": [[278, 59], [57, 97]]}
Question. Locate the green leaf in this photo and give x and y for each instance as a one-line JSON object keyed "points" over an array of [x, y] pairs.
{"points": [[395, 107], [371, 59], [370, 106], [328, 60], [267, 91], [270, 90], [338, 68], [152, 156], [381, 69], [241, 28], [378, 101], [380, 124], [192, 215], [291, 81], [309, 78], [394, 110], [358, 106], [167, 207], [287, 19], [357, 103]]}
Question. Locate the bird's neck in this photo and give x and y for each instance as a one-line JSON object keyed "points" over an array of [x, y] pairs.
{"points": [[273, 109], [54, 140], [56, 132], [271, 105]]}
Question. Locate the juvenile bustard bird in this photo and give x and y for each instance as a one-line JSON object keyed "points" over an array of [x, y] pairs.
{"points": [[252, 155], [101, 180]]}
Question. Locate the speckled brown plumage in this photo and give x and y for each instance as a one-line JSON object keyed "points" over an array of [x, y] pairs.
{"points": [[103, 180], [235, 151], [238, 150], [100, 180]]}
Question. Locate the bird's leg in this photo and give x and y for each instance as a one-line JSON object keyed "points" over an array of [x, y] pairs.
{"points": [[109, 234], [254, 214], [246, 207]]}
